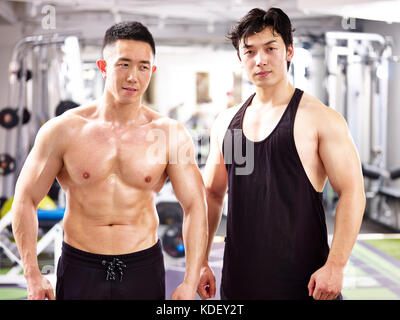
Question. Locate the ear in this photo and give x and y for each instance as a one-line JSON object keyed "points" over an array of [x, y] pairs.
{"points": [[102, 65], [153, 69], [289, 53]]}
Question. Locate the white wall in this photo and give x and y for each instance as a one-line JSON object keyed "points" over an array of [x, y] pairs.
{"points": [[175, 78]]}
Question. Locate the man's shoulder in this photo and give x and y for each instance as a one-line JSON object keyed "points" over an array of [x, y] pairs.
{"points": [[156, 118], [66, 123], [172, 129], [315, 108], [309, 103], [317, 113]]}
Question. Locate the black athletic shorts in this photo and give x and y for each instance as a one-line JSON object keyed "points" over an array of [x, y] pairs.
{"points": [[86, 276]]}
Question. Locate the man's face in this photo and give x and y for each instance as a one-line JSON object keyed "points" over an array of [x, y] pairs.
{"points": [[264, 57], [127, 68]]}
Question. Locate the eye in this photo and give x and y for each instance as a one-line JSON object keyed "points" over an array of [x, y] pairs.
{"points": [[144, 67], [271, 49], [123, 65], [249, 52]]}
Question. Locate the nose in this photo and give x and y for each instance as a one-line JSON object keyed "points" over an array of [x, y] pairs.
{"points": [[132, 76], [261, 58]]}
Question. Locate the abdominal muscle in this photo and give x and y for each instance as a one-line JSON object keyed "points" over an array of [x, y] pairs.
{"points": [[110, 222]]}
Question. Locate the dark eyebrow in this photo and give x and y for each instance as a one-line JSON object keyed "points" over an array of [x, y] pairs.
{"points": [[130, 60], [124, 59], [246, 46]]}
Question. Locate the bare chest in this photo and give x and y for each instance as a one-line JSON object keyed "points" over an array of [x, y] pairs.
{"points": [[97, 155]]}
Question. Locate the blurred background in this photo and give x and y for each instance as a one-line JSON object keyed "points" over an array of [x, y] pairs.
{"points": [[346, 54]]}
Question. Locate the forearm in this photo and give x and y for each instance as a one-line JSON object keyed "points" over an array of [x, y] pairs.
{"points": [[214, 212], [348, 219], [25, 230], [195, 235]]}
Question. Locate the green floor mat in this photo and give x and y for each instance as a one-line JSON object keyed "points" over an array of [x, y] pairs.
{"points": [[12, 293], [369, 294], [388, 246]]}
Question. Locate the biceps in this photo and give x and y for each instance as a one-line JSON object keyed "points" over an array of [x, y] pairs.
{"points": [[37, 175], [215, 175], [216, 178], [341, 161], [187, 184]]}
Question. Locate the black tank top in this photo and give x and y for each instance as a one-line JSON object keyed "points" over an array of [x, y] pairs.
{"points": [[276, 232]]}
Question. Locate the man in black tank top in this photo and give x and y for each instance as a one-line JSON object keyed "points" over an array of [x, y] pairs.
{"points": [[274, 154]]}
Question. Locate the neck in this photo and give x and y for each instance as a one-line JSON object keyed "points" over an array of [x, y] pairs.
{"points": [[117, 113], [274, 95]]}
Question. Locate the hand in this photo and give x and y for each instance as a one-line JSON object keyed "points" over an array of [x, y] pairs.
{"points": [[39, 288], [326, 283], [184, 291], [206, 288]]}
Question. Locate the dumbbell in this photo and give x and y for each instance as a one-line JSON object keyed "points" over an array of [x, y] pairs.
{"points": [[9, 117], [172, 240], [7, 164]]}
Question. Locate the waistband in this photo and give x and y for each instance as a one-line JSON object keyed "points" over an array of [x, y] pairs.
{"points": [[131, 260]]}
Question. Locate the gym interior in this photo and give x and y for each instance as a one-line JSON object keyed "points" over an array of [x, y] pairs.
{"points": [[346, 54]]}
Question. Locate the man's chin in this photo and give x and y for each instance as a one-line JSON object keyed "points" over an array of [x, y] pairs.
{"points": [[124, 102], [128, 100]]}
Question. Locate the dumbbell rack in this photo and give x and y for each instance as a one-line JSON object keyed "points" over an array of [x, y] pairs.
{"points": [[19, 76], [14, 153]]}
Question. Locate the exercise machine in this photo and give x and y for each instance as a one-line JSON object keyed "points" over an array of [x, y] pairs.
{"points": [[383, 200]]}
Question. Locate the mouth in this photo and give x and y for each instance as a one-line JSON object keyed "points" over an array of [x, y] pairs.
{"points": [[263, 73], [129, 89]]}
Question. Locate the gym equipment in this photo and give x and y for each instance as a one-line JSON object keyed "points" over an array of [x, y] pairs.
{"points": [[26, 116], [2, 201], [37, 61], [27, 76], [65, 105], [383, 201], [168, 208], [53, 235], [54, 191], [172, 240], [9, 117], [45, 204], [169, 212], [31, 100], [357, 87], [7, 164]]}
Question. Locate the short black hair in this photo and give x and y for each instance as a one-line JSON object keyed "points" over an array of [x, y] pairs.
{"points": [[257, 20], [129, 30]]}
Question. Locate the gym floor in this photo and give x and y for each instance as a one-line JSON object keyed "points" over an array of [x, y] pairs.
{"points": [[372, 273]]}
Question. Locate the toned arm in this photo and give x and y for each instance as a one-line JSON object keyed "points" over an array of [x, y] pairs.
{"points": [[342, 164], [189, 190], [39, 171], [216, 183]]}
